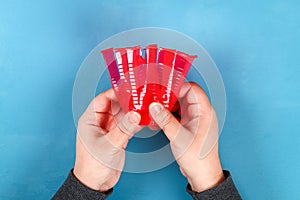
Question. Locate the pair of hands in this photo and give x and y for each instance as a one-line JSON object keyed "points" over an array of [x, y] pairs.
{"points": [[106, 130]]}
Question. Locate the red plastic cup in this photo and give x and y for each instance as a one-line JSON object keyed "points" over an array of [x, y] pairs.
{"points": [[138, 81]]}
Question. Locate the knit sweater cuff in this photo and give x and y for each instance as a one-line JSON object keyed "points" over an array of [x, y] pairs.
{"points": [[73, 189], [224, 191]]}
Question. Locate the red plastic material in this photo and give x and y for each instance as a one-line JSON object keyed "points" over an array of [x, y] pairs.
{"points": [[111, 63], [182, 65], [166, 58], [140, 80], [151, 53]]}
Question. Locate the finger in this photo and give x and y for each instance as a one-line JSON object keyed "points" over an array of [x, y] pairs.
{"points": [[153, 126], [104, 102], [193, 93], [126, 127], [180, 138], [165, 120], [105, 121], [195, 101], [101, 109], [176, 107], [110, 94], [184, 89]]}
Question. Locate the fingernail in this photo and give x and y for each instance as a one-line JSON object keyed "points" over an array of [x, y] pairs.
{"points": [[155, 108], [134, 117]]}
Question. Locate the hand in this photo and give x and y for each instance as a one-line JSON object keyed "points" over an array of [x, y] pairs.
{"points": [[193, 140], [102, 135]]}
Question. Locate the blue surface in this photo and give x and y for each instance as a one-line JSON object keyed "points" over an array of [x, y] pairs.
{"points": [[255, 44]]}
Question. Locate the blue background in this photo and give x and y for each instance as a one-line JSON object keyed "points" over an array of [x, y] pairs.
{"points": [[255, 44]]}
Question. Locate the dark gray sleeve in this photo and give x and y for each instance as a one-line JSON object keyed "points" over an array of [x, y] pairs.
{"points": [[224, 191], [73, 189]]}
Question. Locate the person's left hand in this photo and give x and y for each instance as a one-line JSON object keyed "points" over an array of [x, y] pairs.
{"points": [[102, 136], [193, 139]]}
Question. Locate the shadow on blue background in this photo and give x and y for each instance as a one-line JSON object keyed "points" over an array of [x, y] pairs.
{"points": [[254, 43]]}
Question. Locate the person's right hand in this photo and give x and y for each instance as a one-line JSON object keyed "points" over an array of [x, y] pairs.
{"points": [[102, 136], [193, 140]]}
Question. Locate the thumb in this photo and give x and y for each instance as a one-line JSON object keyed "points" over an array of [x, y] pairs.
{"points": [[165, 120], [126, 127]]}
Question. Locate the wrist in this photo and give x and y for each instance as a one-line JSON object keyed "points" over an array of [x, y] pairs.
{"points": [[87, 177], [91, 172], [206, 181]]}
